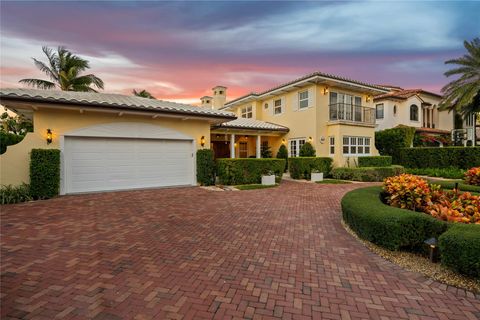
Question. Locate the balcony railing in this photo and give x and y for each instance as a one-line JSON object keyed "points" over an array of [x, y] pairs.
{"points": [[352, 113]]}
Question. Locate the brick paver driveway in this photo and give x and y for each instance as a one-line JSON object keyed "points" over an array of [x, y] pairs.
{"points": [[193, 253]]}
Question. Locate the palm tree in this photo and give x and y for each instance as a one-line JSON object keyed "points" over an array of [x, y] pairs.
{"points": [[64, 70], [463, 94], [143, 94]]}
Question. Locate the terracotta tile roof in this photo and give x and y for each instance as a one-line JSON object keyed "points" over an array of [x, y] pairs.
{"points": [[431, 130], [404, 94], [252, 124]]}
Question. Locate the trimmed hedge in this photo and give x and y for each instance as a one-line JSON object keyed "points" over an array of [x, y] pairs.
{"points": [[389, 227], [389, 142], [205, 167], [460, 249], [247, 171], [375, 161], [449, 173], [302, 167], [307, 150], [450, 185], [44, 173], [8, 139], [367, 174], [458, 157]]}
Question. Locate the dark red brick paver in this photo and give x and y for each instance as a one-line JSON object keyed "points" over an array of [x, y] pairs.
{"points": [[191, 253]]}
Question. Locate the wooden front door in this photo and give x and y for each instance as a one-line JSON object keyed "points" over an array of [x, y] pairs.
{"points": [[221, 149]]}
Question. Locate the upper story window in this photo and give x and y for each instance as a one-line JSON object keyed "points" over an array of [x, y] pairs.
{"points": [[379, 111], [247, 112], [413, 112], [220, 92], [277, 106], [303, 99]]}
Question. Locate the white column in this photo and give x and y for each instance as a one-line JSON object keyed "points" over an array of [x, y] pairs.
{"points": [[232, 146], [259, 141]]}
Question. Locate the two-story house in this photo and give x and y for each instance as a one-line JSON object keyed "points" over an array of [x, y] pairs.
{"points": [[336, 115]]}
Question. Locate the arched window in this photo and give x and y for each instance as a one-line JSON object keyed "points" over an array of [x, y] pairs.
{"points": [[413, 112]]}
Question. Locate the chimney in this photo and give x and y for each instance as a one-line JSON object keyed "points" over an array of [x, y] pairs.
{"points": [[219, 97], [206, 102]]}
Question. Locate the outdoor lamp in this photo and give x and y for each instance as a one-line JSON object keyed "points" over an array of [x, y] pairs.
{"points": [[367, 98], [283, 141], [433, 249], [49, 136], [202, 141], [325, 90], [310, 139]]}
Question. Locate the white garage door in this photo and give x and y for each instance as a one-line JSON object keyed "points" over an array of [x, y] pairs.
{"points": [[98, 164]]}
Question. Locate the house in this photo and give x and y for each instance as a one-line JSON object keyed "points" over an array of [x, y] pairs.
{"points": [[109, 141], [336, 115]]}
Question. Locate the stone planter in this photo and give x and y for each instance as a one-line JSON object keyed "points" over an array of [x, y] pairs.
{"points": [[268, 180], [316, 176]]}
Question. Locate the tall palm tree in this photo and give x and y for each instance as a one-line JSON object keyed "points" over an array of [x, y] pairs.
{"points": [[143, 94], [463, 94], [64, 70]]}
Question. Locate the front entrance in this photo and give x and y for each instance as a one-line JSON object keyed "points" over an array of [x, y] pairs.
{"points": [[221, 149]]}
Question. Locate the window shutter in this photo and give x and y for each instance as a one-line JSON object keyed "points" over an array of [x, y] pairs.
{"points": [[272, 107], [311, 97], [284, 105], [295, 101]]}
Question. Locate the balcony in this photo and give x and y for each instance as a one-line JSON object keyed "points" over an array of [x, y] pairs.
{"points": [[353, 114]]}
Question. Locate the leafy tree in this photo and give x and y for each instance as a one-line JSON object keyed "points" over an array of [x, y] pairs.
{"points": [[283, 154], [64, 71], [18, 124], [307, 150], [266, 152], [463, 94], [143, 94]]}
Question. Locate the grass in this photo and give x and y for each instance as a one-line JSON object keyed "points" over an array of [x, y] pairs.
{"points": [[253, 186], [333, 181], [450, 184], [448, 173]]}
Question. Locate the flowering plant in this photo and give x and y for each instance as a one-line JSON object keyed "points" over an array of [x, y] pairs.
{"points": [[472, 176]]}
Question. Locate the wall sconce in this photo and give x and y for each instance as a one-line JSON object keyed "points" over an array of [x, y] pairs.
{"points": [[283, 141], [325, 90], [368, 98], [49, 136], [235, 144], [310, 139], [433, 249], [202, 141]]}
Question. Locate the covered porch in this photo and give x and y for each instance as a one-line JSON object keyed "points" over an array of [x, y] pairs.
{"points": [[246, 138]]}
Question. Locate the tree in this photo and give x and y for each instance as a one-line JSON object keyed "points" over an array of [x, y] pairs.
{"points": [[18, 124], [265, 151], [64, 71], [143, 94], [283, 154], [463, 94], [307, 150]]}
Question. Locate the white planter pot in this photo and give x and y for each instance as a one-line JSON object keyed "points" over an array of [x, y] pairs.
{"points": [[268, 180], [317, 176]]}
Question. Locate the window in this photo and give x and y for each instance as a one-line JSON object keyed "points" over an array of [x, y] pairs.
{"points": [[303, 99], [332, 145], [413, 112], [277, 106], [379, 110], [247, 112], [220, 92], [295, 146], [208, 101], [356, 145], [395, 110]]}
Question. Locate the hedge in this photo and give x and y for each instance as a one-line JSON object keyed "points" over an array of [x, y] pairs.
{"points": [[44, 173], [449, 173], [457, 157], [283, 154], [389, 227], [375, 161], [302, 167], [205, 167], [460, 249], [247, 171], [8, 139], [450, 185], [367, 174], [389, 142]]}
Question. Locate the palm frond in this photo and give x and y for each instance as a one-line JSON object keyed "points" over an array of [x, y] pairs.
{"points": [[38, 83]]}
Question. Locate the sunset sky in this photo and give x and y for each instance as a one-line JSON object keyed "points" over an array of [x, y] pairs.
{"points": [[180, 50]]}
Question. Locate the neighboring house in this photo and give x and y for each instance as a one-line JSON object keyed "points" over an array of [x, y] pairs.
{"points": [[109, 141], [336, 115]]}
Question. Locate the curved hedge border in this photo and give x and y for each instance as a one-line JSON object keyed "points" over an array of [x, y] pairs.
{"points": [[395, 228]]}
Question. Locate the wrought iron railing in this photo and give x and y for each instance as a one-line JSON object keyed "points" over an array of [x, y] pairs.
{"points": [[352, 113]]}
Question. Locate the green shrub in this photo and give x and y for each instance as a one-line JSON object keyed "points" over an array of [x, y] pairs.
{"points": [[457, 157], [307, 150], [389, 142], [283, 154], [367, 173], [14, 194], [449, 173], [205, 167], [389, 227], [460, 249], [248, 171], [302, 167], [450, 185], [44, 173], [375, 161], [265, 151], [8, 139]]}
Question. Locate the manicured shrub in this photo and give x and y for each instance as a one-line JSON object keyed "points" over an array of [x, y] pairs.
{"points": [[407, 191], [265, 151], [472, 176], [389, 142], [14, 194], [449, 173], [375, 161], [307, 150], [450, 185], [302, 167], [458, 157], [460, 249], [248, 171], [8, 139], [450, 206], [366, 173], [389, 227], [205, 167], [283, 154], [44, 173]]}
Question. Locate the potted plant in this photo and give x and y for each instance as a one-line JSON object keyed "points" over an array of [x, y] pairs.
{"points": [[316, 175], [268, 178]]}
